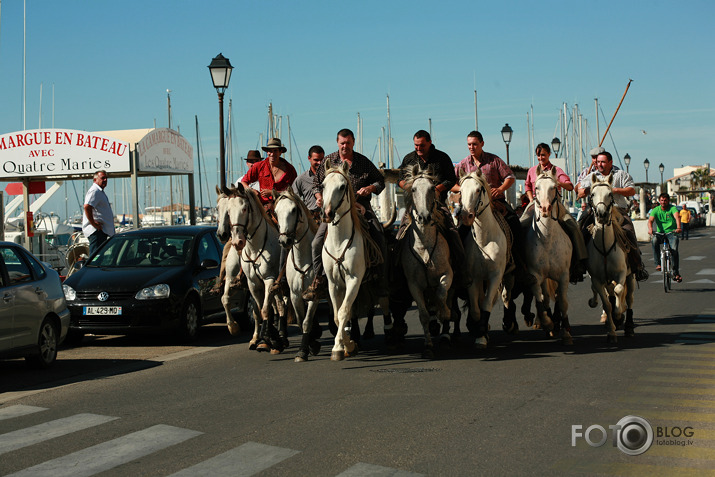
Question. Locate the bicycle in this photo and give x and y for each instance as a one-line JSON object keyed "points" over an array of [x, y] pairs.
{"points": [[666, 260]]}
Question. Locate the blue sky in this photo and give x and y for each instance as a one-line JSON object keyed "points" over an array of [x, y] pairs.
{"points": [[322, 62]]}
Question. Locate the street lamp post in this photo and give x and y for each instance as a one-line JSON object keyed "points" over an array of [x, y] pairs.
{"points": [[627, 160], [220, 69], [506, 132], [661, 168], [556, 146], [646, 163]]}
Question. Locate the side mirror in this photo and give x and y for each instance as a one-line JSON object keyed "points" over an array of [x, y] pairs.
{"points": [[209, 264]]}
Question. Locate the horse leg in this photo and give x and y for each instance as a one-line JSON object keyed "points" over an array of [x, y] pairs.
{"points": [[526, 308], [563, 306], [253, 344], [418, 297], [600, 289], [232, 324], [475, 293], [629, 327], [542, 304]]}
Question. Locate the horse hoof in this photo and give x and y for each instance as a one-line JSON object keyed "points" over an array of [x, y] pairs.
{"points": [[511, 328], [300, 359], [252, 345], [445, 341], [629, 332], [314, 348], [592, 302], [337, 356], [263, 347], [284, 341], [351, 352], [234, 329], [276, 351], [428, 354], [567, 340], [481, 342]]}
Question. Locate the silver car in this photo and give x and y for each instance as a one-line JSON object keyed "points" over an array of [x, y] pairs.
{"points": [[34, 318]]}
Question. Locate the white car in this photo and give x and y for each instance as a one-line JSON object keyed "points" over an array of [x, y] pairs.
{"points": [[34, 318]]}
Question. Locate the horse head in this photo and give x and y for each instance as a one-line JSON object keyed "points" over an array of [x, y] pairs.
{"points": [[337, 192], [546, 191], [423, 195], [476, 195], [238, 212], [287, 212], [601, 198]]}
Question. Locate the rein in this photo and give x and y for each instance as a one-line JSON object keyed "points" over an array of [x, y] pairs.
{"points": [[482, 192], [556, 198], [609, 210], [342, 198], [339, 261], [297, 242]]}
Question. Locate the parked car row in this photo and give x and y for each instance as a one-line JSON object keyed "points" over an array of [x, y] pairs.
{"points": [[155, 280]]}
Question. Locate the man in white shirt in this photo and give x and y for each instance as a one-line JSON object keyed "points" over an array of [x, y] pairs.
{"points": [[98, 218]]}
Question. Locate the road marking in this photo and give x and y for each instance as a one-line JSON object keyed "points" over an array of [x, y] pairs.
{"points": [[669, 401], [692, 354], [183, 354], [695, 257], [49, 430], [361, 469], [677, 416], [19, 410], [707, 362], [110, 454], [650, 390], [680, 371], [678, 379], [706, 271], [704, 280], [243, 461]]}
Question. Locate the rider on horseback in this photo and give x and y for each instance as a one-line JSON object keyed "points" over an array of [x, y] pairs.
{"points": [[580, 254], [439, 165], [623, 187], [366, 180], [500, 178]]}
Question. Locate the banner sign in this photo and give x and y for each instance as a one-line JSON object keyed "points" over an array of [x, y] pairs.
{"points": [[34, 187], [165, 150], [60, 152]]}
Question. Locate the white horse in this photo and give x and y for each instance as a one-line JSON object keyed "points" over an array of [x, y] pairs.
{"points": [[425, 256], [345, 255], [297, 229], [232, 262], [486, 253], [548, 254], [253, 232], [611, 277]]}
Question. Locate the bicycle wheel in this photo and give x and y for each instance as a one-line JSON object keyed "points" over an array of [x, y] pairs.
{"points": [[664, 268], [670, 271]]}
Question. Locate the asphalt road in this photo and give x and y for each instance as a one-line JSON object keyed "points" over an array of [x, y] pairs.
{"points": [[151, 407]]}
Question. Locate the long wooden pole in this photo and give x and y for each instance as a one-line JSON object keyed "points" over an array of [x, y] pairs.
{"points": [[614, 114]]}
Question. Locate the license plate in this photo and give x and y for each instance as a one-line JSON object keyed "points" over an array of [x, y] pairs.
{"points": [[102, 310]]}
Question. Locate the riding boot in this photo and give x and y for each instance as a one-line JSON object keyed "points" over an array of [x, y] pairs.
{"points": [[281, 282], [265, 340], [317, 290]]}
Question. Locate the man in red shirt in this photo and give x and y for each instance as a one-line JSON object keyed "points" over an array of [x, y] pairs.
{"points": [[272, 173]]}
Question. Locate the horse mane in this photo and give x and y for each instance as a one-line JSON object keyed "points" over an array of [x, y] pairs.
{"points": [[291, 195], [372, 251]]}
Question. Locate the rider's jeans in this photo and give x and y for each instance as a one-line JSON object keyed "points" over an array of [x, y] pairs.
{"points": [[673, 240]]}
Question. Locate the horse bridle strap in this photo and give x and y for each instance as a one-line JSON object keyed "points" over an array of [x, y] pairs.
{"points": [[342, 198], [340, 260], [553, 201], [609, 207], [482, 191]]}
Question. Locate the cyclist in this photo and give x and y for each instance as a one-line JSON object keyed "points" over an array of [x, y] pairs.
{"points": [[667, 220]]}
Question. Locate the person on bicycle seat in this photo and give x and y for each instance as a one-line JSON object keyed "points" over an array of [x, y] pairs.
{"points": [[667, 220]]}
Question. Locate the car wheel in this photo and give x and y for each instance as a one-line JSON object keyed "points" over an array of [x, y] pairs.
{"points": [[74, 338], [189, 325], [46, 345]]}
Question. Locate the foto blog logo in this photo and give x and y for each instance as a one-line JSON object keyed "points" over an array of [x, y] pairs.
{"points": [[633, 435]]}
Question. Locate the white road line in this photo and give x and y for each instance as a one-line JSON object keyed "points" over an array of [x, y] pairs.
{"points": [[706, 271], [242, 461], [362, 470], [49, 430], [695, 257], [19, 410], [704, 280], [110, 454]]}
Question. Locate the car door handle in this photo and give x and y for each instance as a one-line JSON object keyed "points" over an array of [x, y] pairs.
{"points": [[39, 291], [7, 297]]}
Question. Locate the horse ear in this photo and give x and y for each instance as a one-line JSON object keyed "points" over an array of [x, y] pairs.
{"points": [[416, 168], [461, 173], [224, 190], [345, 167], [610, 179], [327, 165], [240, 188], [594, 179], [275, 194]]}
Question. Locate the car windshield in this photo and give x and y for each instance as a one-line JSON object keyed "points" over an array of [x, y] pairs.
{"points": [[137, 250]]}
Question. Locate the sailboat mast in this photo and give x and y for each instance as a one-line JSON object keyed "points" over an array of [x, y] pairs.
{"points": [[198, 158], [389, 135], [598, 127], [476, 119]]}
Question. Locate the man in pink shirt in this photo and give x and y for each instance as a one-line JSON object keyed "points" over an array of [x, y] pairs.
{"points": [[579, 255]]}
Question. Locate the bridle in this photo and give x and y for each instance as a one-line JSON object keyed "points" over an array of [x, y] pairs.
{"points": [[552, 203], [480, 198], [339, 260], [296, 242], [608, 206], [339, 217]]}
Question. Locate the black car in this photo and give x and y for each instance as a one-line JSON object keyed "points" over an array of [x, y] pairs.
{"points": [[148, 281]]}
